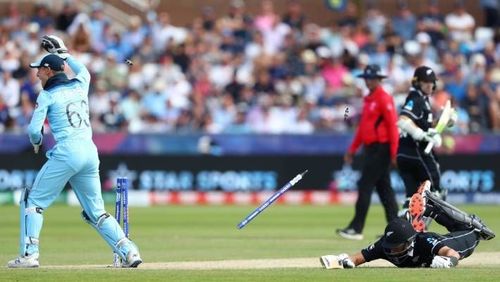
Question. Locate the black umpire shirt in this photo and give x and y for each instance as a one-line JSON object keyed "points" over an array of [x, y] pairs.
{"points": [[418, 109], [426, 246]]}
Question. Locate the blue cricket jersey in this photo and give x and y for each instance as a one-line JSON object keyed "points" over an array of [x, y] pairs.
{"points": [[65, 103]]}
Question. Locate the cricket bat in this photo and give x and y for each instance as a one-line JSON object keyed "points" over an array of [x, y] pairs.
{"points": [[441, 124], [331, 262]]}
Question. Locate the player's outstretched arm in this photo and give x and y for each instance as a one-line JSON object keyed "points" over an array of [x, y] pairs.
{"points": [[342, 261], [446, 258], [357, 258]]}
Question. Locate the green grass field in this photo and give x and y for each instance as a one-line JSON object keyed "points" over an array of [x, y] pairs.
{"points": [[194, 233]]}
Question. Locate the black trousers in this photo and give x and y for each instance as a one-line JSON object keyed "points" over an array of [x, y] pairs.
{"points": [[462, 237], [464, 242], [375, 174], [415, 167]]}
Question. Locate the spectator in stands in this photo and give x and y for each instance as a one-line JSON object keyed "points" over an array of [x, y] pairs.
{"points": [[145, 53], [495, 110], [331, 68], [266, 17], [235, 21], [476, 106], [489, 90], [4, 114], [350, 16], [14, 17], [432, 23], [428, 51], [10, 90], [131, 109], [476, 69], [264, 84], [114, 120], [223, 113], [240, 125], [11, 58], [491, 12], [165, 34], [98, 25], [23, 118], [294, 16], [405, 22], [460, 24], [30, 86], [81, 39], [99, 104], [134, 36], [113, 75], [376, 21], [66, 16], [42, 16]]}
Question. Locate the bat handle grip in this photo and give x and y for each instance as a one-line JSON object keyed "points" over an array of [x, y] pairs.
{"points": [[428, 148]]}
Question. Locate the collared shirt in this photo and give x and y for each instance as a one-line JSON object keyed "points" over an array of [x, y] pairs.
{"points": [[426, 246], [378, 122], [417, 108], [64, 103]]}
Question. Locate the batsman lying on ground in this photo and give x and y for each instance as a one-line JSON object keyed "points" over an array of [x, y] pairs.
{"points": [[403, 246]]}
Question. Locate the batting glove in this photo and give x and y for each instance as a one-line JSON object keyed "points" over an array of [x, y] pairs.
{"points": [[444, 262], [54, 45], [453, 118], [431, 135], [346, 261]]}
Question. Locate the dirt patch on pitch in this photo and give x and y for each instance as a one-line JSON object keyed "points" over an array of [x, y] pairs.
{"points": [[480, 259]]}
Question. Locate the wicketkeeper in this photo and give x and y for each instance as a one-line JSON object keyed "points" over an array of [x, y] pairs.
{"points": [[74, 158], [403, 246]]}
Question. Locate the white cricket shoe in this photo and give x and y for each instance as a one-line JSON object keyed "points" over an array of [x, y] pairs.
{"points": [[349, 233], [133, 259], [30, 261]]}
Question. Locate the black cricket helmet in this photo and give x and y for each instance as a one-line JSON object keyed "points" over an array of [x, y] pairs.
{"points": [[399, 239], [423, 74]]}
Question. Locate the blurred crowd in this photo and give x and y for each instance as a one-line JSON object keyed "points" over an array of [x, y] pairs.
{"points": [[269, 72]]}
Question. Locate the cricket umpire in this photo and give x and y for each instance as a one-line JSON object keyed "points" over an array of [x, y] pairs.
{"points": [[378, 134], [415, 123]]}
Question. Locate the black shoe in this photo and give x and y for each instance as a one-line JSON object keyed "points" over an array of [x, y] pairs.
{"points": [[349, 233], [484, 232]]}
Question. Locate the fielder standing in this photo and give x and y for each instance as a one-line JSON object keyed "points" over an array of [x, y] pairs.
{"points": [[74, 158], [415, 123], [378, 133]]}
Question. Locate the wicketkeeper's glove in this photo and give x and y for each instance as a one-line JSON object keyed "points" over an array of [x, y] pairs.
{"points": [[54, 45]]}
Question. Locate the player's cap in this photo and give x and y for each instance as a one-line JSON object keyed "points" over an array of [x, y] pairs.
{"points": [[51, 61], [424, 73], [372, 71], [397, 232]]}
